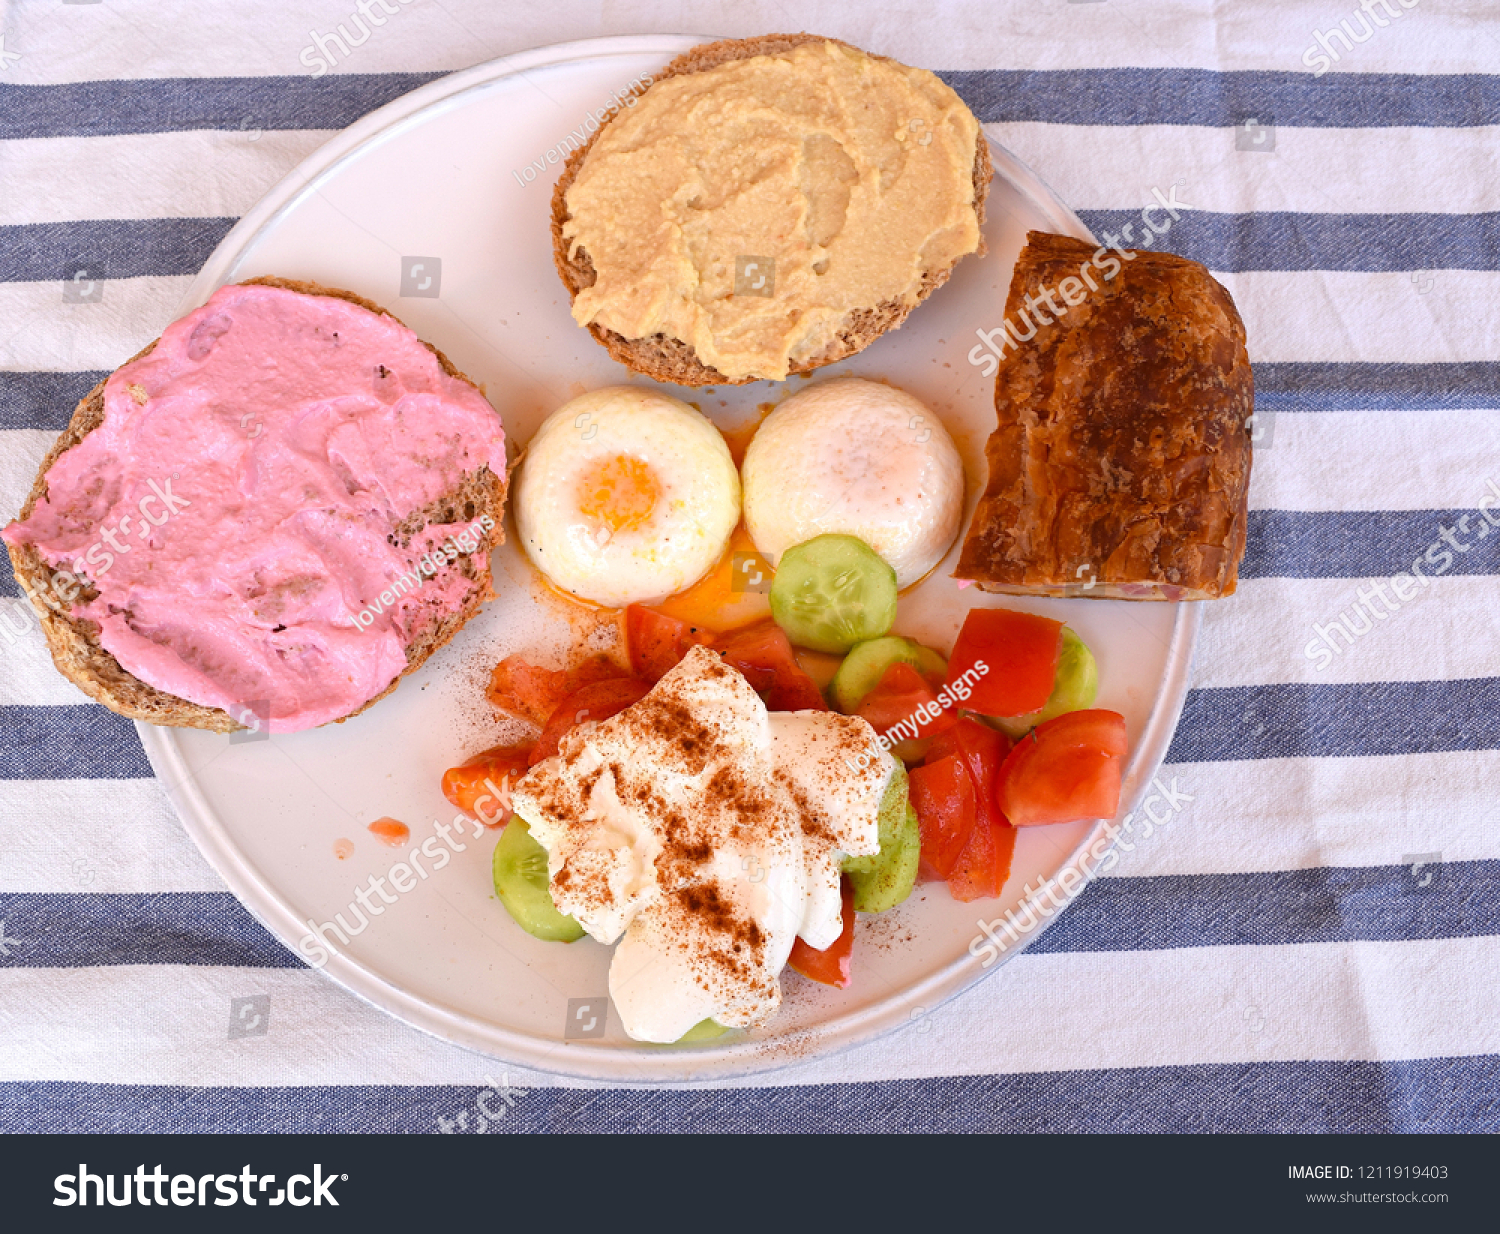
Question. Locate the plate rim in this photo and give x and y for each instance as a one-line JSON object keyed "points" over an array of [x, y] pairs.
{"points": [[582, 1060]]}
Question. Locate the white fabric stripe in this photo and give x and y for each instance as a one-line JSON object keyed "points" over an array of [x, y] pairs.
{"points": [[1260, 635], [21, 454], [91, 836], [201, 174], [40, 331], [1315, 171], [1349, 317], [1375, 460], [27, 675], [1299, 316], [211, 174], [62, 44], [1202, 1005], [1295, 814]]}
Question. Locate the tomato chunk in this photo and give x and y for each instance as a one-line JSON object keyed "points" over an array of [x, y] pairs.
{"points": [[1007, 659], [984, 865], [903, 705], [831, 967], [597, 701], [980, 869], [658, 642], [942, 794], [981, 748], [520, 688], [764, 655], [480, 787], [1068, 769]]}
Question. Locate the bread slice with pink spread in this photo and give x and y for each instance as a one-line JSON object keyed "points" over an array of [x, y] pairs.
{"points": [[266, 518]]}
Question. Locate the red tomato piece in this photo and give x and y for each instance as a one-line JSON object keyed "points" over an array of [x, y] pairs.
{"points": [[764, 655], [596, 701], [481, 786], [980, 869], [831, 967], [1068, 769], [595, 668], [904, 706], [523, 690], [658, 642], [981, 747], [1019, 654], [942, 794]]}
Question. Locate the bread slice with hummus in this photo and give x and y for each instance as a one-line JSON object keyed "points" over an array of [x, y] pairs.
{"points": [[236, 528], [767, 206]]}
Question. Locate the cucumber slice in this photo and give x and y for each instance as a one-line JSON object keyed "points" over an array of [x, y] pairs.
{"points": [[704, 1030], [1075, 688], [866, 663], [896, 873], [520, 870], [832, 592], [892, 816]]}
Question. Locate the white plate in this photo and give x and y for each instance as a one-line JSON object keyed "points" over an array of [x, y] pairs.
{"points": [[440, 174]]}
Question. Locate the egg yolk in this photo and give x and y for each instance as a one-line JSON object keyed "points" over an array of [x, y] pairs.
{"points": [[620, 493]]}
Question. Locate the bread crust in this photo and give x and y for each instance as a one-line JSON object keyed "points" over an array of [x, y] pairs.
{"points": [[672, 360], [74, 641], [1120, 464]]}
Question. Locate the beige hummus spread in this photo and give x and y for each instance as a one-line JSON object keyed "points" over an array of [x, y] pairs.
{"points": [[751, 209]]}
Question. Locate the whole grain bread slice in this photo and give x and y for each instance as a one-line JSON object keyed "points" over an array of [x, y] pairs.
{"points": [[74, 641], [668, 359]]}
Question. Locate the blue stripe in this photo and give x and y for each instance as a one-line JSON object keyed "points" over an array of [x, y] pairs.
{"points": [[1364, 719], [1416, 1095], [45, 400], [1267, 240], [1459, 899], [108, 248], [173, 104], [1110, 97], [1374, 544], [1332, 386], [1226, 100], [1281, 240], [60, 930], [1385, 903], [1221, 724], [87, 742]]}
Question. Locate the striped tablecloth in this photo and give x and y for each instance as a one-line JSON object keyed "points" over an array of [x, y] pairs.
{"points": [[1310, 944]]}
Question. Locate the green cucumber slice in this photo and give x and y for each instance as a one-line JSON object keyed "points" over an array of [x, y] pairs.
{"points": [[832, 592], [890, 820], [1074, 689], [866, 663], [704, 1030], [520, 872], [891, 881]]}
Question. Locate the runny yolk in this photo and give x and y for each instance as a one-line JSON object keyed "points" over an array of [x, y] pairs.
{"points": [[620, 493], [722, 600]]}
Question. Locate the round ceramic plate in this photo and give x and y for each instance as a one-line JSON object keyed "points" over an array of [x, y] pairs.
{"points": [[438, 206]]}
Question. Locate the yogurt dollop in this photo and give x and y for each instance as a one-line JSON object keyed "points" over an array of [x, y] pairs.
{"points": [[237, 510]]}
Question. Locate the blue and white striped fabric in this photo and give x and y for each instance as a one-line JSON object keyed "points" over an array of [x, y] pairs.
{"points": [[1314, 944]]}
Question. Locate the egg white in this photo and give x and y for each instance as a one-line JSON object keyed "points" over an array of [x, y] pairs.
{"points": [[688, 528], [859, 458]]}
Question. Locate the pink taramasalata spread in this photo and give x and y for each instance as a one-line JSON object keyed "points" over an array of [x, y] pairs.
{"points": [[234, 507]]}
